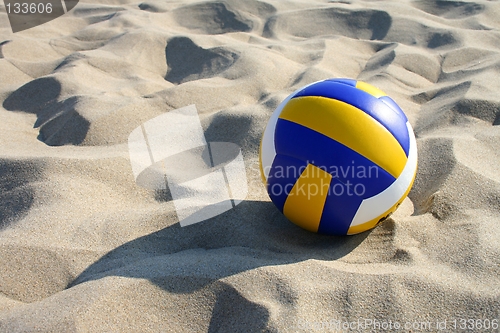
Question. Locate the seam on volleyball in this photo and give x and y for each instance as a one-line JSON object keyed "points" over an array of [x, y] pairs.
{"points": [[413, 154]]}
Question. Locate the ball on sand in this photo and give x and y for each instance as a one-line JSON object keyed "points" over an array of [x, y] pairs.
{"points": [[338, 156]]}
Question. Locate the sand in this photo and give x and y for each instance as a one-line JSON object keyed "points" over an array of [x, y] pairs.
{"points": [[83, 248]]}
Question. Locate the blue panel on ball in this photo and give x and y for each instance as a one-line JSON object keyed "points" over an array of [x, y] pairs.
{"points": [[343, 163], [339, 210], [389, 101], [390, 118], [283, 175]]}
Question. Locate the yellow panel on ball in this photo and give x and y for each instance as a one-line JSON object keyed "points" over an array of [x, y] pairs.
{"points": [[305, 201]]}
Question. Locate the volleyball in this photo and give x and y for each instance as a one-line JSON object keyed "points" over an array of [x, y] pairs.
{"points": [[338, 156]]}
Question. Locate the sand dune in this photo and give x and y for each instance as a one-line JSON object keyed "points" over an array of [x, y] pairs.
{"points": [[84, 248]]}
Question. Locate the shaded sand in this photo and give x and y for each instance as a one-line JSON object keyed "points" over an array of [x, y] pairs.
{"points": [[84, 249]]}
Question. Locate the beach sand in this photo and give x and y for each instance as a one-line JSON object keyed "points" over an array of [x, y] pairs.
{"points": [[83, 248]]}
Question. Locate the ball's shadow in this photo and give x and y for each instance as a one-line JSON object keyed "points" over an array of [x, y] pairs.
{"points": [[253, 234], [184, 260]]}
